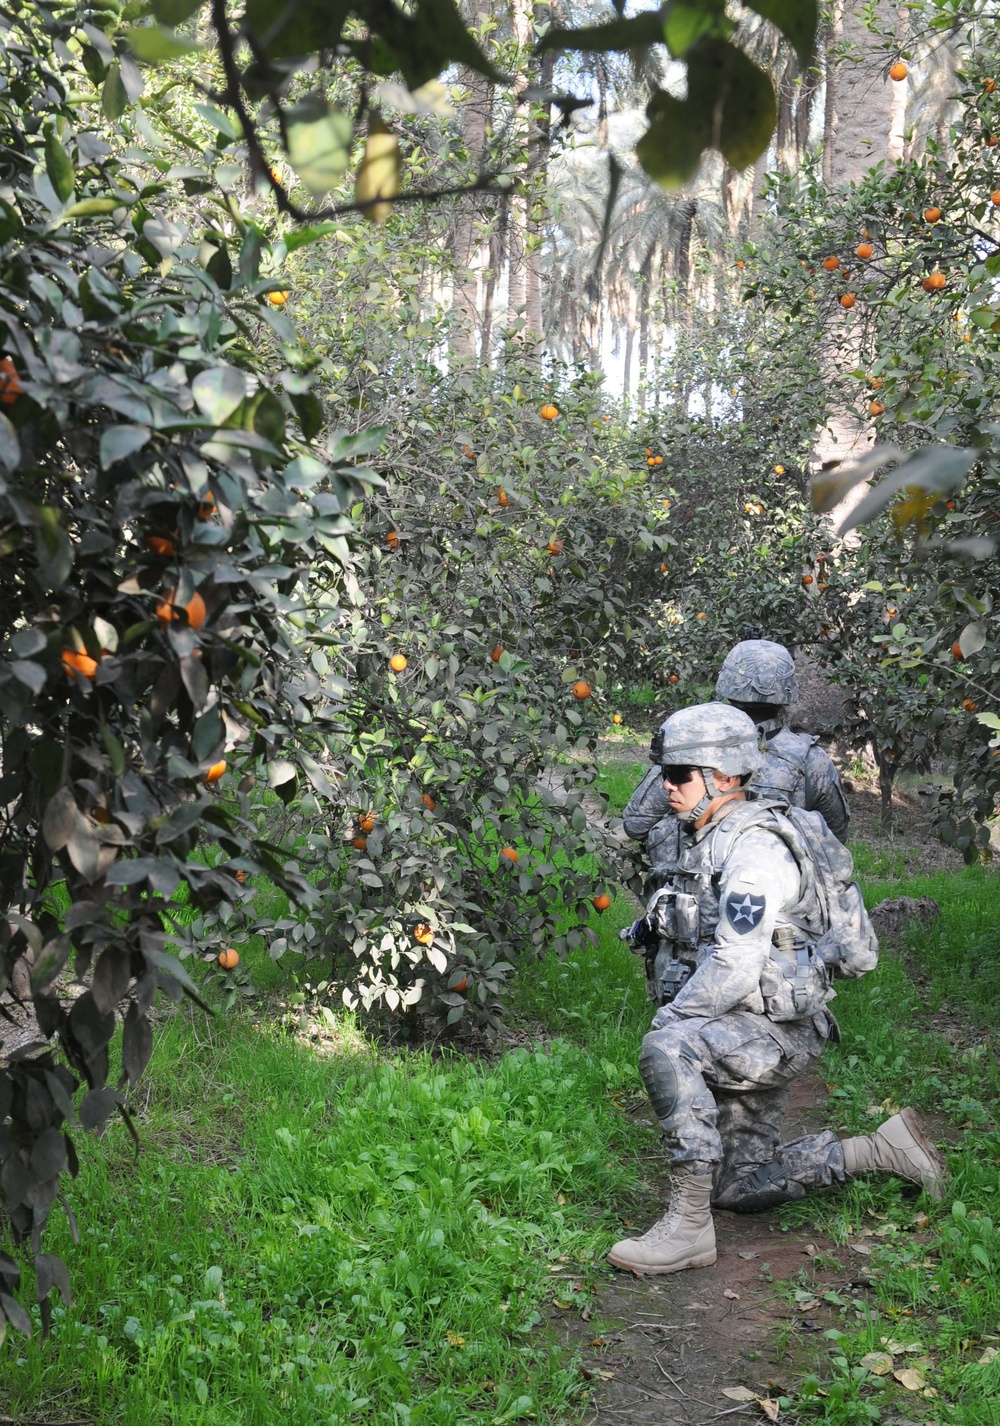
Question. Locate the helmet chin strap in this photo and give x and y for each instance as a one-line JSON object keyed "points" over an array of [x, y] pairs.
{"points": [[705, 803]]}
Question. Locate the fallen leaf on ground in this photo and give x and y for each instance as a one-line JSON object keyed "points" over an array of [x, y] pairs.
{"points": [[899, 1348], [733, 1296], [861, 1248], [808, 1306], [911, 1379], [769, 1407], [739, 1393], [989, 1355], [454, 1340], [598, 1342], [878, 1362], [746, 1254], [811, 1250], [921, 1220]]}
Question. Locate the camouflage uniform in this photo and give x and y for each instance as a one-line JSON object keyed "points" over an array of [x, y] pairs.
{"points": [[717, 1067], [796, 771]]}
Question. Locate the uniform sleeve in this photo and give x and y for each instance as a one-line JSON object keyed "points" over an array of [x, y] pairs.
{"points": [[647, 806], [824, 794], [759, 879]]}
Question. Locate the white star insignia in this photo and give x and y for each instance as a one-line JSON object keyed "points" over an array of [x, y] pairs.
{"points": [[744, 910]]}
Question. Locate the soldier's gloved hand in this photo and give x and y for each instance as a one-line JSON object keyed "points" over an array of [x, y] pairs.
{"points": [[656, 746], [658, 917], [666, 1015], [640, 934]]}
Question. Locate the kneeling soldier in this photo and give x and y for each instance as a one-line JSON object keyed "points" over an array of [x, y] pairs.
{"points": [[747, 1014]]}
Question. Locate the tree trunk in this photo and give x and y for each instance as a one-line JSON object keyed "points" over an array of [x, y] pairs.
{"points": [[645, 276], [466, 243]]}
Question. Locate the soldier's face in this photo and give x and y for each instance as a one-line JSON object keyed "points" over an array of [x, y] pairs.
{"points": [[686, 794]]}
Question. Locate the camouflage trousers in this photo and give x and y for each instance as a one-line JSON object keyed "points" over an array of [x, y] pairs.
{"points": [[720, 1089]]}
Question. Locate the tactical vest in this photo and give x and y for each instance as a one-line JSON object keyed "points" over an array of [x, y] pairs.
{"points": [[795, 982]]}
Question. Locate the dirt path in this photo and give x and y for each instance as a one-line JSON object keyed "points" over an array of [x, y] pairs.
{"points": [[665, 1350]]}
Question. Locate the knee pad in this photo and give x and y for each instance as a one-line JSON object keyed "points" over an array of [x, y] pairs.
{"points": [[766, 1187], [660, 1078]]}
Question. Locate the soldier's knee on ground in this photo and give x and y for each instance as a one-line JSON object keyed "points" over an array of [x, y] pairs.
{"points": [[659, 1072], [764, 1187]]}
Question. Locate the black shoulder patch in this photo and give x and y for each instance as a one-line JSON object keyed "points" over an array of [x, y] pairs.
{"points": [[744, 911]]}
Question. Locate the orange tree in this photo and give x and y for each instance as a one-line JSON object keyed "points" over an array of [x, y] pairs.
{"points": [[163, 508], [907, 613]]}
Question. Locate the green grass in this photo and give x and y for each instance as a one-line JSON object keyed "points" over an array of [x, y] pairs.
{"points": [[619, 781], [358, 1238]]}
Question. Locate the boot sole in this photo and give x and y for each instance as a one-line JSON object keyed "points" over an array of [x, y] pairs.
{"points": [[703, 1260], [914, 1124]]}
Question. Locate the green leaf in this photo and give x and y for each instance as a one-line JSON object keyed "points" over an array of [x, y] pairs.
{"points": [[175, 12], [972, 639], [688, 20], [52, 550], [826, 491], [114, 99], [301, 28], [937, 469], [58, 165], [983, 317], [796, 19], [737, 97], [671, 148], [637, 33], [154, 44], [10, 446], [319, 138], [119, 442], [218, 392], [93, 207]]}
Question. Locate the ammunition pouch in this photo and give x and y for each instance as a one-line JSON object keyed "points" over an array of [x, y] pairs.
{"points": [[668, 974], [794, 983]]}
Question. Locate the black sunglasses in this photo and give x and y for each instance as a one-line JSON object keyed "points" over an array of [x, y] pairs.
{"points": [[677, 774]]}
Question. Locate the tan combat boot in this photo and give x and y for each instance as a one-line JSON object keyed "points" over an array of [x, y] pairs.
{"points": [[901, 1147], [683, 1238]]}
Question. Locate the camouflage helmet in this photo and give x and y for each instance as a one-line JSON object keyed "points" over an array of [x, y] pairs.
{"points": [[713, 736], [758, 671]]}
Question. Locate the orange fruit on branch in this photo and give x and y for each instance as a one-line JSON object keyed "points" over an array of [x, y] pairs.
{"points": [[496, 654], [831, 263], [277, 299], [366, 821], [602, 902], [397, 663], [934, 281], [423, 933], [74, 662], [510, 853], [807, 579], [206, 507], [673, 678], [989, 85], [548, 412], [10, 382], [995, 197], [167, 610], [428, 801], [554, 547], [503, 498], [359, 843], [581, 689], [899, 71], [932, 214], [864, 251], [956, 651], [229, 959], [847, 300], [968, 705], [160, 545], [616, 718], [216, 771], [392, 540], [875, 408]]}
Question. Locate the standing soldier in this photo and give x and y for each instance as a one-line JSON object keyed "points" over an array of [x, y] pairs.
{"points": [[747, 912], [757, 676]]}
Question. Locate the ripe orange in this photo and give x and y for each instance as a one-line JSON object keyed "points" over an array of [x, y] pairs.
{"points": [[366, 821], [864, 251], [968, 705], [392, 540], [847, 300], [229, 959], [934, 281], [740, 263], [956, 651], [831, 263], [664, 569], [468, 452], [995, 197], [510, 853], [459, 986], [673, 678], [503, 498], [875, 408], [423, 933], [992, 141], [989, 85], [497, 654], [650, 462], [822, 585], [779, 470], [602, 902], [898, 71], [206, 507], [397, 663], [581, 689], [160, 545], [616, 718], [932, 215], [701, 616], [554, 547], [428, 801], [874, 382], [78, 663], [166, 610], [548, 412], [359, 843], [10, 382], [241, 876], [216, 771], [277, 299]]}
